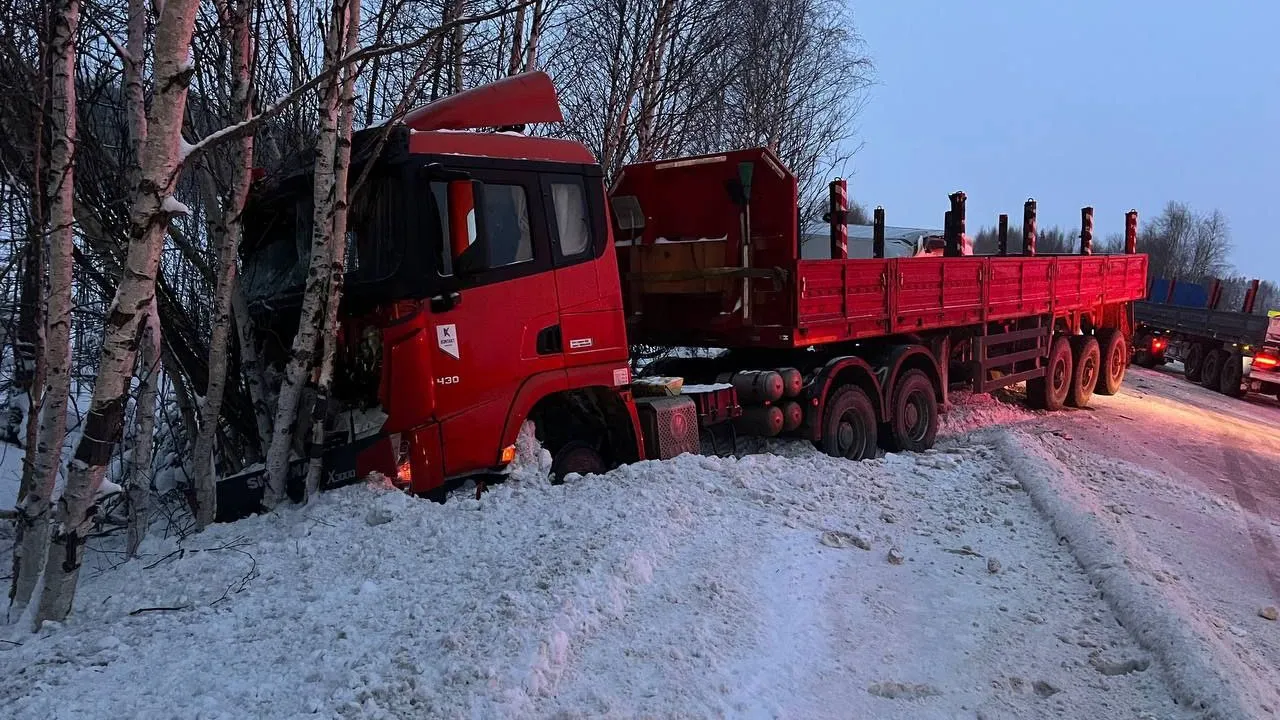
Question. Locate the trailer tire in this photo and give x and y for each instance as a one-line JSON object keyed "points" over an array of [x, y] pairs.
{"points": [[1086, 361], [1193, 363], [1210, 372], [1230, 376], [1049, 392], [848, 424], [1115, 360], [914, 424], [578, 457]]}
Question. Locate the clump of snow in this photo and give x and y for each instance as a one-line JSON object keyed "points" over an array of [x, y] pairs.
{"points": [[969, 411]]}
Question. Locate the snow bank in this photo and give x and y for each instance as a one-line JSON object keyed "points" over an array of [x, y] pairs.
{"points": [[1202, 673]]}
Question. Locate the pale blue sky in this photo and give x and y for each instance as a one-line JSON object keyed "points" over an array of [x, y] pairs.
{"points": [[1110, 103]]}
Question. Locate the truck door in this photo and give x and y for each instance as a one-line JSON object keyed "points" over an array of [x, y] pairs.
{"points": [[590, 306], [496, 324]]}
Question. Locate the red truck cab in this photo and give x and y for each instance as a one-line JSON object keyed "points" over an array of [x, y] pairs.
{"points": [[481, 290]]}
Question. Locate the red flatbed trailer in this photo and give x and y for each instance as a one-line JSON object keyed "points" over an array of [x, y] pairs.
{"points": [[455, 334], [690, 280]]}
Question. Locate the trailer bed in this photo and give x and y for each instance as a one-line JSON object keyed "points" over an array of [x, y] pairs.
{"points": [[680, 227], [1231, 327]]}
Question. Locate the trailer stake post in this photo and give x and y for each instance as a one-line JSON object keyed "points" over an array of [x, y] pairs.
{"points": [[1250, 297], [837, 216], [877, 234], [1029, 227], [1086, 231], [954, 232], [1003, 234], [1131, 232]]}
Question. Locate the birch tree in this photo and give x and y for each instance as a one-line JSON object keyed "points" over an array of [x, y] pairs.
{"points": [[322, 254], [337, 264], [138, 481], [152, 206], [236, 18], [33, 514]]}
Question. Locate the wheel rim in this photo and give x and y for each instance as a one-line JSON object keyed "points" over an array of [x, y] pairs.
{"points": [[916, 417], [1089, 372], [847, 434], [1059, 374], [1115, 363]]}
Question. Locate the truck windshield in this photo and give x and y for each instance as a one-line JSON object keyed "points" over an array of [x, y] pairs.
{"points": [[394, 243]]}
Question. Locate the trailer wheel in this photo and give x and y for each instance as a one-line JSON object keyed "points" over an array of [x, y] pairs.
{"points": [[849, 424], [1193, 362], [1210, 372], [1050, 391], [1115, 360], [915, 414], [1086, 357], [1231, 375], [576, 457]]}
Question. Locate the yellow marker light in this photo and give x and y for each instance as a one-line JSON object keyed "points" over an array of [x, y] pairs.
{"points": [[508, 454]]}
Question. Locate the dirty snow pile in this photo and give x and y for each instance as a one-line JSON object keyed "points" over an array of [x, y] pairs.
{"points": [[778, 585]]}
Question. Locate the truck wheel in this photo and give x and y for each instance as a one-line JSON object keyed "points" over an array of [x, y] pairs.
{"points": [[1115, 359], [575, 457], [849, 424], [915, 414], [1193, 362], [1231, 375], [1050, 392], [1210, 376], [1086, 358]]}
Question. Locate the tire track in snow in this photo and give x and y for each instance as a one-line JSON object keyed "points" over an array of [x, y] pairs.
{"points": [[1259, 534]]}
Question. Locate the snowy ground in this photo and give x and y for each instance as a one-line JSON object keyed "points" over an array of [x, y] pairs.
{"points": [[1022, 569]]}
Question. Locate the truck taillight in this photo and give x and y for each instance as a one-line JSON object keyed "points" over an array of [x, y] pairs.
{"points": [[1158, 344], [1265, 361]]}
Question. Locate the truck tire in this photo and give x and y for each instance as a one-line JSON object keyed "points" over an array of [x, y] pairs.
{"points": [[1230, 376], [914, 424], [1210, 372], [1193, 362], [1086, 360], [1115, 360], [576, 457], [1050, 392], [848, 424]]}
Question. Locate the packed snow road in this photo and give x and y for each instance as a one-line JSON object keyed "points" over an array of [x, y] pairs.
{"points": [[1188, 481], [785, 584]]}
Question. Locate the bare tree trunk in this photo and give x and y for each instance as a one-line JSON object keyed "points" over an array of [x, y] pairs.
{"points": [[33, 513], [230, 230], [459, 7], [535, 32], [138, 484], [517, 39], [251, 366], [337, 266], [152, 208], [311, 313]]}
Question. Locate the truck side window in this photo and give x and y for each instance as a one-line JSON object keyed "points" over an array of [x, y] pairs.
{"points": [[506, 225], [572, 223], [440, 200]]}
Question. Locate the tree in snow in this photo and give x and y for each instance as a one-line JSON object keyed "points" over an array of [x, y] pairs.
{"points": [[152, 208], [33, 514]]}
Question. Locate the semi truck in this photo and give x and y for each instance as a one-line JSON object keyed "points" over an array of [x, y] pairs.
{"points": [[1235, 353], [495, 280]]}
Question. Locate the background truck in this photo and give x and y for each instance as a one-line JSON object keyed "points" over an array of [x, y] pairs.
{"points": [[494, 280], [1232, 352]]}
